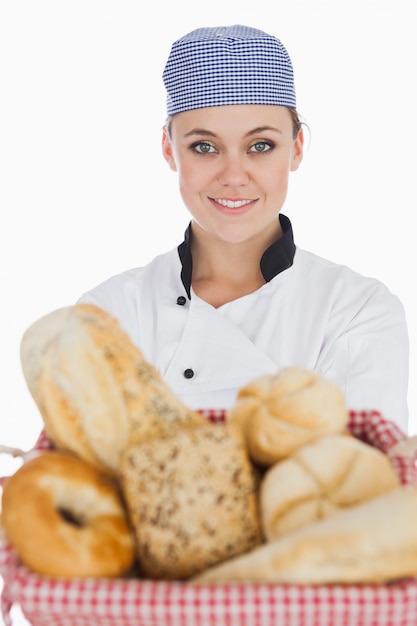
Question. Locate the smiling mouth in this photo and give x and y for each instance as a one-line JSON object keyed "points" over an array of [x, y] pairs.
{"points": [[232, 204]]}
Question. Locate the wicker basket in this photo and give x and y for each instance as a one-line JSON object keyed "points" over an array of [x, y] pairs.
{"points": [[133, 602]]}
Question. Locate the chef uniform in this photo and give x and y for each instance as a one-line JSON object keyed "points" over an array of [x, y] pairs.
{"points": [[310, 312]]}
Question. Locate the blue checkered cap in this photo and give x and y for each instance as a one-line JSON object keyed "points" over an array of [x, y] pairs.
{"points": [[228, 65]]}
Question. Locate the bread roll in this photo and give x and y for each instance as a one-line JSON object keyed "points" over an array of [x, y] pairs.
{"points": [[334, 472], [93, 387], [280, 413], [192, 500], [373, 542]]}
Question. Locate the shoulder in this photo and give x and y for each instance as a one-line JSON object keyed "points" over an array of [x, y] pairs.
{"points": [[345, 289], [131, 280], [123, 294], [311, 264]]}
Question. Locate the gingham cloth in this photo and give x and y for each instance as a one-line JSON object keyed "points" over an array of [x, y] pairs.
{"points": [[223, 65], [129, 602]]}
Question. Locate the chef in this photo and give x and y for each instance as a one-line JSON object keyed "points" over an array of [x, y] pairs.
{"points": [[238, 299]]}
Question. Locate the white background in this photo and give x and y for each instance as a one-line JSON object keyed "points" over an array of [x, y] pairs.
{"points": [[85, 193]]}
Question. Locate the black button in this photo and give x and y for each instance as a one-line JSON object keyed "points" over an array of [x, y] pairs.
{"points": [[181, 300], [188, 373]]}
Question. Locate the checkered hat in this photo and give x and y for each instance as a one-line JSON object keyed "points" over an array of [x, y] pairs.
{"points": [[228, 65]]}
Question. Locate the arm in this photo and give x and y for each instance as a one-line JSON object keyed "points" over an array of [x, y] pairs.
{"points": [[370, 359]]}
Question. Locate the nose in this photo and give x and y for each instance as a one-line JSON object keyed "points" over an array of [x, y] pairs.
{"points": [[233, 171]]}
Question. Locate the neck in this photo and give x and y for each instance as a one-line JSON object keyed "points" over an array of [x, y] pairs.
{"points": [[224, 271]]}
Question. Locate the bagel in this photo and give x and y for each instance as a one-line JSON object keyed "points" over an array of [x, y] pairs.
{"points": [[64, 518], [280, 413], [94, 389]]}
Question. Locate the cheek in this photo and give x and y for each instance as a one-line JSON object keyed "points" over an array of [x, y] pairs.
{"points": [[276, 179], [192, 176]]}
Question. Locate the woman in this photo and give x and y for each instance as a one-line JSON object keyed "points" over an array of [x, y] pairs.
{"points": [[237, 299]]}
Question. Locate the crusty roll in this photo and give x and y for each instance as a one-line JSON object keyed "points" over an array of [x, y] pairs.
{"points": [[334, 472], [280, 413], [372, 542], [192, 500], [94, 389], [65, 518]]}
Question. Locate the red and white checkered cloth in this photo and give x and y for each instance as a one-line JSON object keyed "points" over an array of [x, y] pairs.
{"points": [[130, 602]]}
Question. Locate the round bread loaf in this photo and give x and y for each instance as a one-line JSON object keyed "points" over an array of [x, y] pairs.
{"points": [[319, 479], [93, 387], [192, 499], [65, 518], [280, 413]]}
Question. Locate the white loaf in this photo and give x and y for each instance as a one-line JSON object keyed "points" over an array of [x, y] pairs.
{"points": [[94, 389]]}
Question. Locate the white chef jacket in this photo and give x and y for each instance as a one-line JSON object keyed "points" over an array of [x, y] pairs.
{"points": [[310, 312]]}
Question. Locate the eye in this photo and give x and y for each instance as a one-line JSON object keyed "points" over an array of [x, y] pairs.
{"points": [[202, 147], [261, 146]]}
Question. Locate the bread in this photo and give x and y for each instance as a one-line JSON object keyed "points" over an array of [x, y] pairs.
{"points": [[94, 389], [65, 518], [192, 500], [334, 472], [373, 542], [280, 413]]}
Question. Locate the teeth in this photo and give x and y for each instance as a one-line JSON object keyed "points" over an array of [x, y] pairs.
{"points": [[230, 204]]}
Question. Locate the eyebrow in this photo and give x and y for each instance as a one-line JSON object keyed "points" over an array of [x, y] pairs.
{"points": [[254, 131], [261, 129]]}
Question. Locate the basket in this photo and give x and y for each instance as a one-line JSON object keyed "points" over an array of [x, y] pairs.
{"points": [[132, 602]]}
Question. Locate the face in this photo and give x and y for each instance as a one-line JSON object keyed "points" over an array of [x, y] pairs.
{"points": [[233, 164]]}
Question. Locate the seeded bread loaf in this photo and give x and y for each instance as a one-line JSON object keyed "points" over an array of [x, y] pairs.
{"points": [[192, 500]]}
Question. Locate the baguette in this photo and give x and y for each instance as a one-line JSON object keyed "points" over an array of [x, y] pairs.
{"points": [[373, 542]]}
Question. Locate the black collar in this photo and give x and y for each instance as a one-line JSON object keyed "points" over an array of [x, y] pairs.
{"points": [[275, 259]]}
